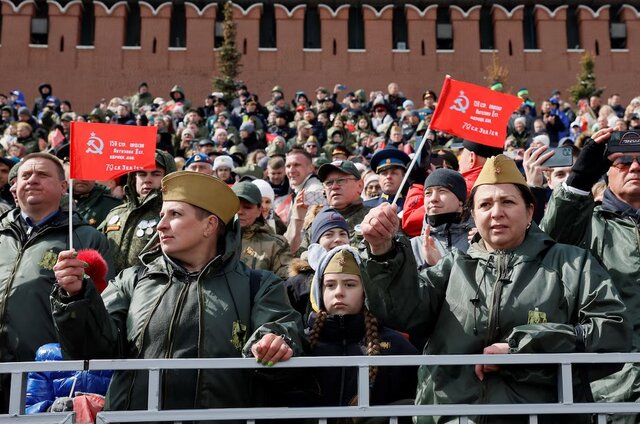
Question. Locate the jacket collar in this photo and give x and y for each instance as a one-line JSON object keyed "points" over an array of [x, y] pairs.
{"points": [[535, 242], [612, 203]]}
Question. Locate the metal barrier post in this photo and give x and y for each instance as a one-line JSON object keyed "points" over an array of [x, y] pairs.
{"points": [[565, 383], [154, 390], [16, 401], [363, 386]]}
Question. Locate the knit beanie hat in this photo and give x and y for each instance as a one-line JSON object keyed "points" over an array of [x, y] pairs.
{"points": [[449, 179], [327, 219], [265, 189]]}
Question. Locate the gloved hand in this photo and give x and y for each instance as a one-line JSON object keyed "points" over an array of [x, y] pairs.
{"points": [[590, 166]]}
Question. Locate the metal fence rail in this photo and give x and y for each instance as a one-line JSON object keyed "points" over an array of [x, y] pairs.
{"points": [[565, 404]]}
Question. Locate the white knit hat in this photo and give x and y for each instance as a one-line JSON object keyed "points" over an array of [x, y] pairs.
{"points": [[223, 162], [265, 189]]}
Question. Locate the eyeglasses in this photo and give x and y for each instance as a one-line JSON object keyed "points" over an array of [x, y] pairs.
{"points": [[624, 162], [340, 181]]}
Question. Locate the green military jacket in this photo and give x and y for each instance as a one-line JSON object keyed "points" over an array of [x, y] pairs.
{"points": [[262, 248], [130, 226], [27, 278], [615, 241], [159, 310], [96, 205], [539, 298]]}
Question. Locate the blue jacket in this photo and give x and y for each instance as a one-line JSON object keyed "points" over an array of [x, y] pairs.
{"points": [[44, 387]]}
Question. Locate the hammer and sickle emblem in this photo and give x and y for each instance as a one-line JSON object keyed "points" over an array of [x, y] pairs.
{"points": [[95, 145], [461, 103]]}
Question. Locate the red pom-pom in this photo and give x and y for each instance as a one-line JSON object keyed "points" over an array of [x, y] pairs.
{"points": [[97, 268]]}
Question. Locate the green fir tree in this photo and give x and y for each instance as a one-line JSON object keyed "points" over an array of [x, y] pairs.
{"points": [[586, 86], [228, 58]]}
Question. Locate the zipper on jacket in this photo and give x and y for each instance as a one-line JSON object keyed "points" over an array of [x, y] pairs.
{"points": [[176, 317], [493, 329], [344, 353]]}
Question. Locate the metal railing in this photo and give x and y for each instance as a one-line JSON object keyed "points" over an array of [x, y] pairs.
{"points": [[565, 404]]}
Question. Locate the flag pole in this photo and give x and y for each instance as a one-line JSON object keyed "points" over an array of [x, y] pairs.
{"points": [[419, 150], [70, 213], [424, 141]]}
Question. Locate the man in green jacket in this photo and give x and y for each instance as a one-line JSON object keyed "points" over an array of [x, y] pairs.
{"points": [[31, 236], [130, 226], [93, 201], [192, 297], [611, 232]]}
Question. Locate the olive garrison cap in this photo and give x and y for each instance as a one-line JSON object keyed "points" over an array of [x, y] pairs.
{"points": [[342, 262], [500, 170], [203, 191]]}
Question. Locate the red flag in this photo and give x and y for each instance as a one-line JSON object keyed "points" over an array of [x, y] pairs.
{"points": [[106, 151], [474, 113], [57, 138]]}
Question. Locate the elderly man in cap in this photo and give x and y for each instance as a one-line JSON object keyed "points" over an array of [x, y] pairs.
{"points": [[130, 226], [610, 232], [200, 162], [191, 297], [390, 165], [262, 248], [31, 237]]}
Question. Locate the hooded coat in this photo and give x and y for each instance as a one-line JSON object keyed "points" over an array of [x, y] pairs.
{"points": [[540, 297], [346, 335], [613, 237], [159, 310]]}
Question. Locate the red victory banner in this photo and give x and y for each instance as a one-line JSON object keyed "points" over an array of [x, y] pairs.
{"points": [[474, 113], [106, 151]]}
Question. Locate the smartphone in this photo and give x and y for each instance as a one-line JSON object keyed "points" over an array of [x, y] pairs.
{"points": [[563, 156], [624, 141], [315, 197], [342, 87]]}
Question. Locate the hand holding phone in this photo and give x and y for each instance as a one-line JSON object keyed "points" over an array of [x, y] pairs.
{"points": [[562, 156]]}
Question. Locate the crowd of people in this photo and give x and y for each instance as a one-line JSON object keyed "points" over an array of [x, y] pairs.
{"points": [[310, 226]]}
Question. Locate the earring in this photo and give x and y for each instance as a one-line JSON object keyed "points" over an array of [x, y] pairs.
{"points": [[528, 225]]}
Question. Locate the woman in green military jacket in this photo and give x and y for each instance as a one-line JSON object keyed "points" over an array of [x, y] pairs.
{"points": [[515, 291]]}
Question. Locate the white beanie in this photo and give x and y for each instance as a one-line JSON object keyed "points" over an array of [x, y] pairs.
{"points": [[265, 189], [223, 162]]}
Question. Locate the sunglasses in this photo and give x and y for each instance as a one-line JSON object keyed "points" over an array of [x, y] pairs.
{"points": [[624, 162]]}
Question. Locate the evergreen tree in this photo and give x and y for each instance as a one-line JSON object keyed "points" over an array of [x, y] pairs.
{"points": [[228, 58], [586, 86], [497, 74]]}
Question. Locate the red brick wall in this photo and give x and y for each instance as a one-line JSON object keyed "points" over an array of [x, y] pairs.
{"points": [[106, 69]]}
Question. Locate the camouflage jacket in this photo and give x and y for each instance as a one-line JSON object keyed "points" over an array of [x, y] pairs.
{"points": [[130, 226], [262, 248]]}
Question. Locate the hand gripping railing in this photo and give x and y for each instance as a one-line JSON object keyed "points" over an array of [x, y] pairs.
{"points": [[565, 404]]}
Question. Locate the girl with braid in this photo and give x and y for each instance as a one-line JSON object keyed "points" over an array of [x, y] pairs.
{"points": [[342, 326]]}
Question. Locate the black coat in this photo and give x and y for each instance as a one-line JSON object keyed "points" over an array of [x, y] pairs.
{"points": [[345, 336]]}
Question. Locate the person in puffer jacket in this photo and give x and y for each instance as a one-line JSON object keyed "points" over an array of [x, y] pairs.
{"points": [[45, 387]]}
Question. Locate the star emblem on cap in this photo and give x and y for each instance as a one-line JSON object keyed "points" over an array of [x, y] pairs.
{"points": [[498, 170]]}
